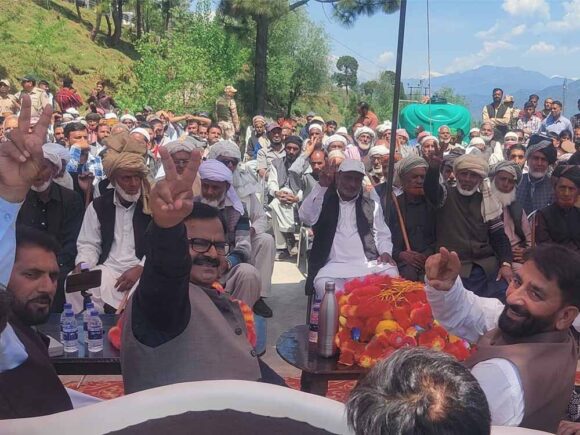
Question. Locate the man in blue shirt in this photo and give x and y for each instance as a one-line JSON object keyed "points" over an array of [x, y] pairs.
{"points": [[556, 122]]}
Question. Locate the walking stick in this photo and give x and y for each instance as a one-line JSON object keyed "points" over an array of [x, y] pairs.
{"points": [[401, 222]]}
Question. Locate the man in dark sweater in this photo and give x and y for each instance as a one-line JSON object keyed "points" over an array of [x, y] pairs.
{"points": [[469, 221], [177, 327]]}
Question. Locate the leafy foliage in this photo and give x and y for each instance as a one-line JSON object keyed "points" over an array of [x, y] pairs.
{"points": [[347, 75], [297, 60], [188, 68], [452, 97]]}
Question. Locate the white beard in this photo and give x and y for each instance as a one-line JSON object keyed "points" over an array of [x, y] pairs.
{"points": [[538, 175], [212, 203], [505, 199], [486, 139], [466, 192], [43, 187], [125, 196]]}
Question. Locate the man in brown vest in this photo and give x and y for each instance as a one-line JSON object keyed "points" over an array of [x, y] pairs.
{"points": [[526, 351], [177, 328]]}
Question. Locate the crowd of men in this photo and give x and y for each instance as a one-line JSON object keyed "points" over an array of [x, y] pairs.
{"points": [[185, 216]]}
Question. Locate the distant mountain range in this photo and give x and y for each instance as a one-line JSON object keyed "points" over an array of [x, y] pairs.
{"points": [[476, 86]]}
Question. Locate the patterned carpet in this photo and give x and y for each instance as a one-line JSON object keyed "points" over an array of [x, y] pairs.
{"points": [[337, 390]]}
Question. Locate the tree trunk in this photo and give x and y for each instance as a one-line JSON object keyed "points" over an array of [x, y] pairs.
{"points": [[118, 20], [260, 67], [78, 10], [166, 12], [138, 18], [98, 18], [109, 28]]}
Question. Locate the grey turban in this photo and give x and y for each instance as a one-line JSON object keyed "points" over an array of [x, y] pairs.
{"points": [[225, 148], [509, 167]]}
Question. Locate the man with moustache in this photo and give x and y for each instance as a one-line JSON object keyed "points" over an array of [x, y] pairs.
{"points": [[493, 150], [526, 353], [177, 327], [306, 169], [535, 191], [505, 177], [468, 220]]}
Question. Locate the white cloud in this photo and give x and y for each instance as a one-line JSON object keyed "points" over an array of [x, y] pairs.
{"points": [[385, 57], [492, 32], [526, 7], [571, 18], [478, 59], [518, 30], [541, 48]]}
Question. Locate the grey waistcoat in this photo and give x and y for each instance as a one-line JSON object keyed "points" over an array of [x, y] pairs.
{"points": [[213, 346]]}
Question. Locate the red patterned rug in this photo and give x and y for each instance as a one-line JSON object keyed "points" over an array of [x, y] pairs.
{"points": [[337, 390]]}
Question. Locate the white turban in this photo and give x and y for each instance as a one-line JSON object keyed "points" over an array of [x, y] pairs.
{"points": [[128, 116], [58, 149], [225, 148], [335, 138], [381, 128], [341, 130], [215, 170], [431, 137], [315, 126], [366, 130], [379, 150], [52, 155], [143, 132], [336, 154]]}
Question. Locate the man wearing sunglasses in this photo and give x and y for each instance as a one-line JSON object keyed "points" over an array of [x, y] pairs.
{"points": [[178, 328]]}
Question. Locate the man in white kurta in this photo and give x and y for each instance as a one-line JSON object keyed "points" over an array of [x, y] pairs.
{"points": [[347, 259]]}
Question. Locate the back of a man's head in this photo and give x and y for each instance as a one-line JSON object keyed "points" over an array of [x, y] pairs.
{"points": [[418, 391]]}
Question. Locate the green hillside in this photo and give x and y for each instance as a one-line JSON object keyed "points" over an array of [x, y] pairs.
{"points": [[44, 37]]}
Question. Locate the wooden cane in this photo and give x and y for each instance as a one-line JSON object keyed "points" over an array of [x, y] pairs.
{"points": [[123, 303], [401, 222], [533, 229]]}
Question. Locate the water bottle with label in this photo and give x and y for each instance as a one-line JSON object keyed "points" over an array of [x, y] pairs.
{"points": [[328, 322], [314, 317], [70, 335], [67, 307], [95, 332]]}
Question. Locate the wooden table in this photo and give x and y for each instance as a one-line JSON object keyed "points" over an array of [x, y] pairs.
{"points": [[294, 348], [83, 362]]}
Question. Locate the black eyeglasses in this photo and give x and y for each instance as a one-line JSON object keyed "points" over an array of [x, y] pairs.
{"points": [[201, 246]]}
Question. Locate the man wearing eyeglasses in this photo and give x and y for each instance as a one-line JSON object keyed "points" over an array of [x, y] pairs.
{"points": [[178, 328]]}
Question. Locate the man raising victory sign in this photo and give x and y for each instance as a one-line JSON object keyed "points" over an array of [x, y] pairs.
{"points": [[526, 352]]}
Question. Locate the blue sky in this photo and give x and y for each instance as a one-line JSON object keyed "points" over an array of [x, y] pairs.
{"points": [[537, 35]]}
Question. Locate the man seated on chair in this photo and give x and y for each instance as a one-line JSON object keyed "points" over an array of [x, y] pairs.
{"points": [[351, 238], [284, 199], [239, 278], [526, 353], [112, 235], [307, 167], [560, 222], [418, 217], [469, 219], [58, 211], [246, 186], [177, 326], [505, 177]]}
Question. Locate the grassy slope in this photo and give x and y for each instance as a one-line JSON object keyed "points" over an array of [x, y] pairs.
{"points": [[44, 37]]}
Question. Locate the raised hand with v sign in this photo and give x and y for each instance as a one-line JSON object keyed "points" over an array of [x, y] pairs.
{"points": [[172, 198], [21, 154]]}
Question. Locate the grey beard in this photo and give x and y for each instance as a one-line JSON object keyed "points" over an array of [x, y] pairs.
{"points": [[487, 139], [505, 199], [41, 188], [127, 197], [212, 203], [538, 175], [466, 192]]}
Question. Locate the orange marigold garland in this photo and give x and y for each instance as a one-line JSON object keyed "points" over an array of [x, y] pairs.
{"points": [[379, 314], [247, 313]]}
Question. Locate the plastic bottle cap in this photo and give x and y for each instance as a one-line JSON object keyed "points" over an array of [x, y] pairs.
{"points": [[84, 267], [67, 305], [94, 313], [69, 314]]}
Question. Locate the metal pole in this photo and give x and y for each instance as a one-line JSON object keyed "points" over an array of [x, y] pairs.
{"points": [[395, 119]]}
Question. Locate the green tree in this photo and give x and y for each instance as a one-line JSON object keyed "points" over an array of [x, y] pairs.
{"points": [[379, 94], [297, 62], [347, 75], [265, 12], [451, 97], [188, 68]]}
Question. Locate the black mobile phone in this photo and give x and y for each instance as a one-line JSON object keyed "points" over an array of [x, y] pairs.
{"points": [[77, 282]]}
